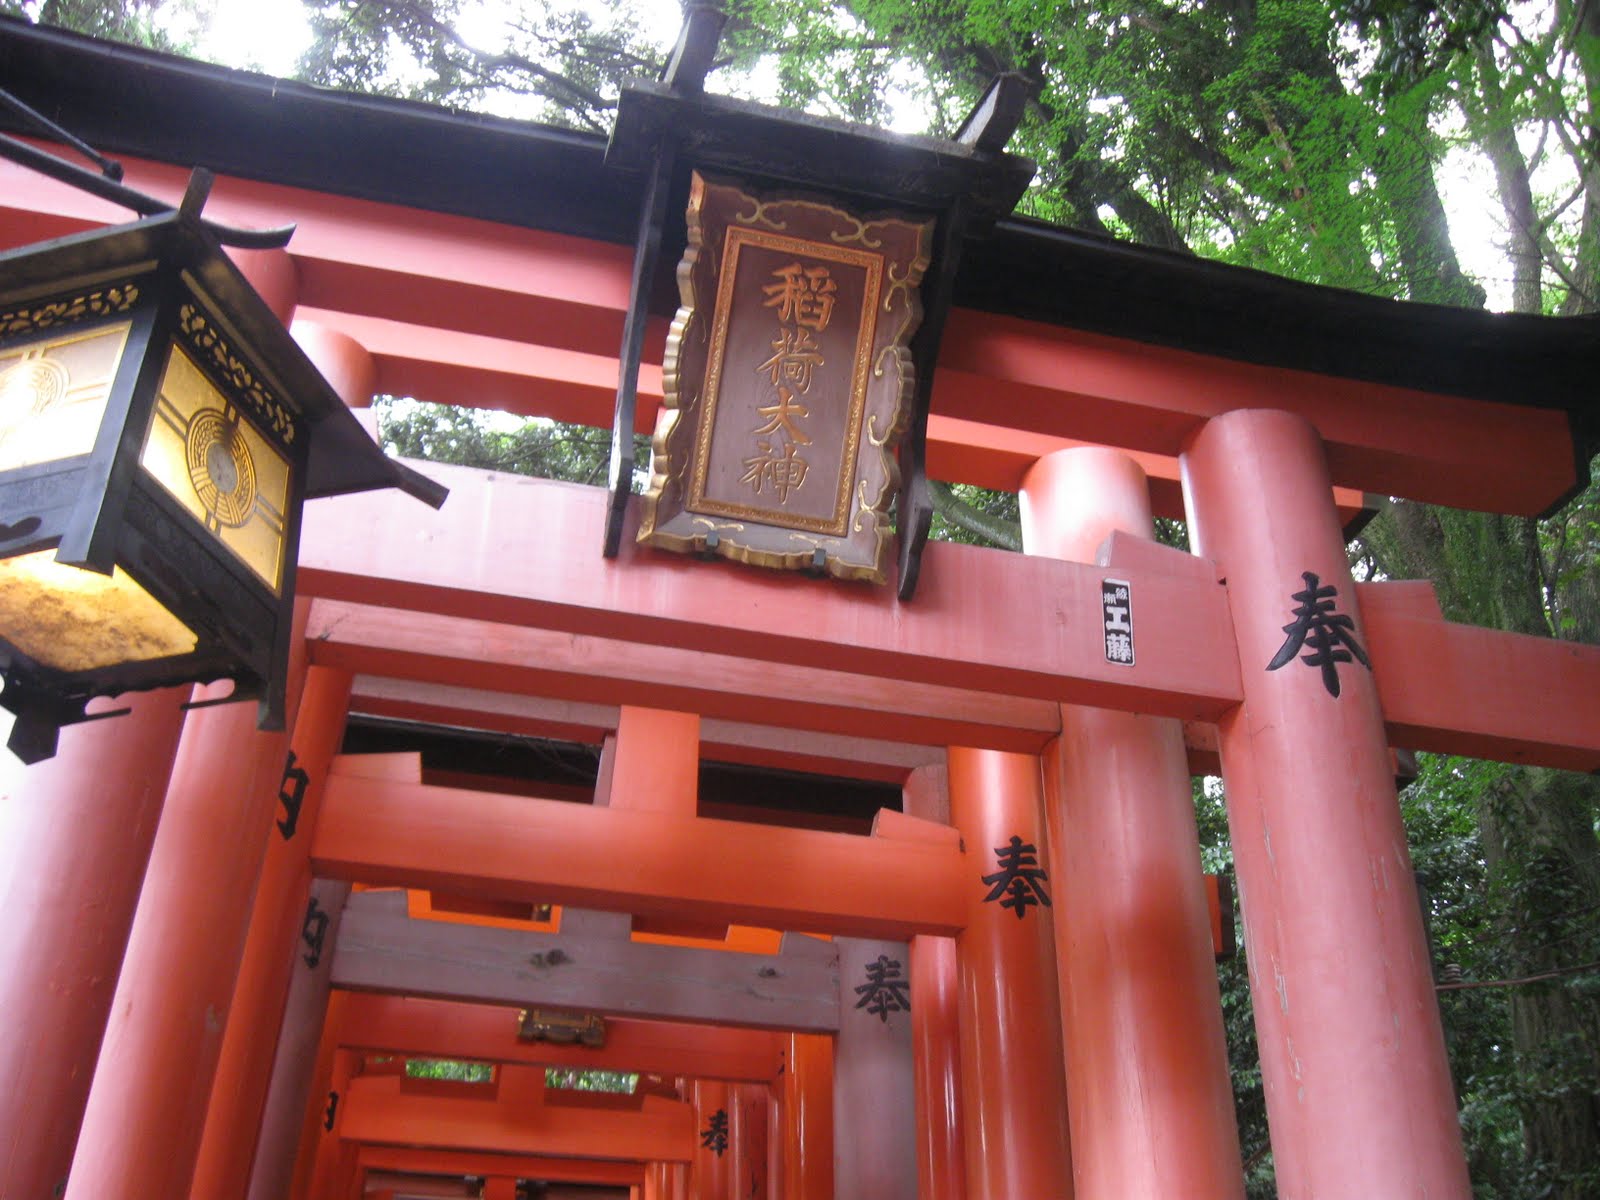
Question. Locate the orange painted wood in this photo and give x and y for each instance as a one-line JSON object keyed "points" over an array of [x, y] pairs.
{"points": [[371, 640], [277, 916], [401, 265], [298, 1059], [384, 1110], [711, 1167], [147, 1107], [1383, 439], [521, 848], [936, 1032], [385, 260], [747, 1116], [274, 276], [513, 375], [655, 762], [659, 599], [486, 555], [1457, 689], [806, 1112], [75, 835], [343, 361], [747, 939], [566, 720], [1358, 1091], [1013, 1095], [1148, 1092], [322, 1151], [997, 457], [507, 374], [454, 907], [899, 826], [421, 1161], [402, 767], [443, 1029]]}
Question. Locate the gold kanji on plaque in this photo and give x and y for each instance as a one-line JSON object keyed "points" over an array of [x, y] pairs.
{"points": [[787, 382]]}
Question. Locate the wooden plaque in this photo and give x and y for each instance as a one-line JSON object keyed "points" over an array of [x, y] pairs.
{"points": [[787, 382]]}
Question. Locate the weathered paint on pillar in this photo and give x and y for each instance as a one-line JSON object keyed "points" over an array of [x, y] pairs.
{"points": [[874, 1080], [711, 1171], [807, 1103], [75, 835], [1359, 1098], [936, 1037], [284, 931], [1148, 1088], [294, 1065], [1014, 1099], [142, 1125]]}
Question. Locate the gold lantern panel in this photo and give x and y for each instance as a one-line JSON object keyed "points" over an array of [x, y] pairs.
{"points": [[214, 463]]}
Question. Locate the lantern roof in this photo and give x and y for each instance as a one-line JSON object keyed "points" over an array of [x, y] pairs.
{"points": [[343, 458]]}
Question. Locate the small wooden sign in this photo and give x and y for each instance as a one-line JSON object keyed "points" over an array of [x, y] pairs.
{"points": [[788, 381]]}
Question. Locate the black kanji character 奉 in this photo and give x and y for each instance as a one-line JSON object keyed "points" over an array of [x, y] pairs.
{"points": [[1020, 880], [714, 1136], [1328, 633], [884, 991]]}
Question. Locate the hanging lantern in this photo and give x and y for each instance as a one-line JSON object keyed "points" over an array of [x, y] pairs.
{"points": [[159, 432]]}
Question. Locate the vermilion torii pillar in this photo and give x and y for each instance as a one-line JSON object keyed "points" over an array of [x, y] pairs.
{"points": [[936, 1032], [1014, 1099], [711, 1171], [806, 1109], [280, 919], [280, 908], [75, 835], [1150, 1102], [1358, 1089]]}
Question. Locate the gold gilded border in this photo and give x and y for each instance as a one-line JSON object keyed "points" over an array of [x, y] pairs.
{"points": [[735, 239], [884, 376]]}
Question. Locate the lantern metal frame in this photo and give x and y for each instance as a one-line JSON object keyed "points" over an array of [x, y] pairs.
{"points": [[168, 279]]}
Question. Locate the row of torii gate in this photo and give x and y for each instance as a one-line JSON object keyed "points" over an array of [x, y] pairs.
{"points": [[1013, 993]]}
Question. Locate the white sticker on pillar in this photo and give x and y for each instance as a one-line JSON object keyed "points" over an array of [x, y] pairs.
{"points": [[1117, 600]]}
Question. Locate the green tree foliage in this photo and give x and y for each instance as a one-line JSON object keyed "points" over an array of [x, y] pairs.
{"points": [[449, 1068], [616, 1082], [135, 21]]}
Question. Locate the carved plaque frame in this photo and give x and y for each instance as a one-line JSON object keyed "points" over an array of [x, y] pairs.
{"points": [[788, 364]]}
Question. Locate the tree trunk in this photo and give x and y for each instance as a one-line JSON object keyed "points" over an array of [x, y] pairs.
{"points": [[1405, 176], [1490, 123]]}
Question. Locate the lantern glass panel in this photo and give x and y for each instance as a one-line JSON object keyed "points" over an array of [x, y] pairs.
{"points": [[53, 394], [72, 619], [213, 461]]}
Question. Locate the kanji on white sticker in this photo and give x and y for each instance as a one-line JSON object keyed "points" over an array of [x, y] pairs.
{"points": [[1116, 598]]}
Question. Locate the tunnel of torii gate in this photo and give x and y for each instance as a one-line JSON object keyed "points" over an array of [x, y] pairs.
{"points": [[880, 898]]}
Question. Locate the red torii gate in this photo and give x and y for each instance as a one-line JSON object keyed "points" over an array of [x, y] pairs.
{"points": [[998, 656]]}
